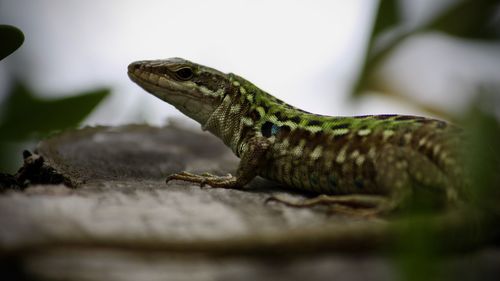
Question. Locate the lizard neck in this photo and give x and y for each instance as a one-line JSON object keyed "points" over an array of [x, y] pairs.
{"points": [[248, 111], [234, 119]]}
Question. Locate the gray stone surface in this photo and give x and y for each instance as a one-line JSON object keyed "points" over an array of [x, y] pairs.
{"points": [[121, 222]]}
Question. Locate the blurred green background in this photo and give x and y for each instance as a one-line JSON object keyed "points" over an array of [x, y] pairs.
{"points": [[25, 118]]}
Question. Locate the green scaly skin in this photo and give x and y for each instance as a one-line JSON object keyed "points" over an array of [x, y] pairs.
{"points": [[360, 160]]}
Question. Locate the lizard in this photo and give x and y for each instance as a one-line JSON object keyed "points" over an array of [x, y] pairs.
{"points": [[375, 161]]}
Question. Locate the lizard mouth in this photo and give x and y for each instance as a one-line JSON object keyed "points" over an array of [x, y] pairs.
{"points": [[149, 80]]}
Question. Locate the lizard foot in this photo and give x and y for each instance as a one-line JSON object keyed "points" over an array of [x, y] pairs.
{"points": [[227, 181]]}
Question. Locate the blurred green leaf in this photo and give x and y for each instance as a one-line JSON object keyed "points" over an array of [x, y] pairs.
{"points": [[11, 38], [473, 19], [483, 162], [387, 16], [417, 248], [25, 116]]}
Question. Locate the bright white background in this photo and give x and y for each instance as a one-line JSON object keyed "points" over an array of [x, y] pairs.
{"points": [[305, 52]]}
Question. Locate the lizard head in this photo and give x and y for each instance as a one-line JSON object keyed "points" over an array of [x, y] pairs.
{"points": [[194, 89]]}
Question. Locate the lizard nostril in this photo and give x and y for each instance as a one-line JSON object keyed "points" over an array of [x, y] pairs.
{"points": [[138, 65], [133, 66]]}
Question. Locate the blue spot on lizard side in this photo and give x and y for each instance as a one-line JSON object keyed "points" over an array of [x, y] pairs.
{"points": [[269, 129]]}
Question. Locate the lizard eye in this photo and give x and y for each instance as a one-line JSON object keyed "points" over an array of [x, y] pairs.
{"points": [[184, 73]]}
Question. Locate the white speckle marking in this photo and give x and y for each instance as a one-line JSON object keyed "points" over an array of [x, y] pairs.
{"points": [[422, 142], [387, 134], [247, 121], [360, 160], [318, 150], [235, 108], [342, 154], [436, 149], [339, 132], [355, 154], [372, 152], [364, 132], [313, 129], [408, 137], [285, 143], [297, 151]]}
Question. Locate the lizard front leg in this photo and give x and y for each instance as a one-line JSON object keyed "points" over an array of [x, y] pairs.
{"points": [[251, 159]]}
